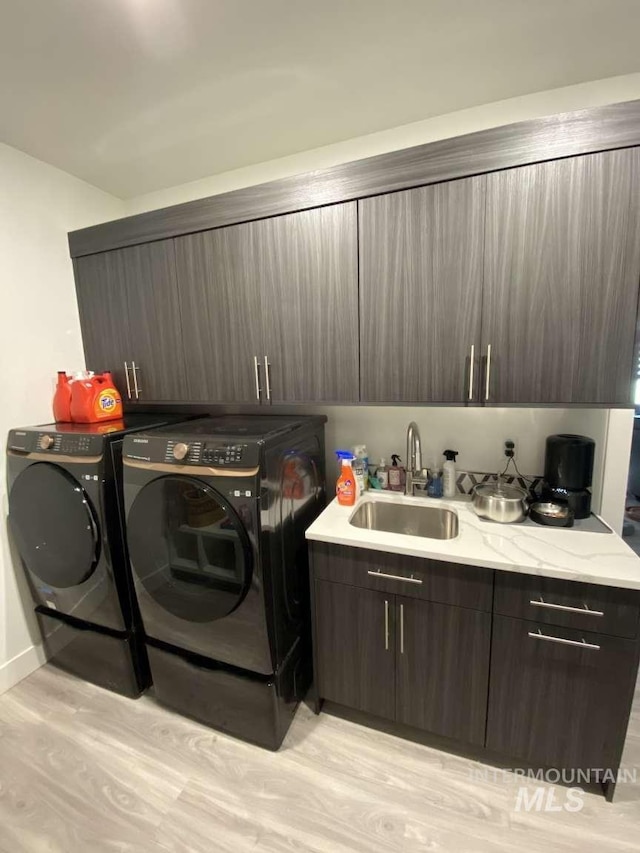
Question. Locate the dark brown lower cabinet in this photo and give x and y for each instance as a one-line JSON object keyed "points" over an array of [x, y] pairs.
{"points": [[392, 639], [355, 647], [559, 697], [416, 662], [442, 668]]}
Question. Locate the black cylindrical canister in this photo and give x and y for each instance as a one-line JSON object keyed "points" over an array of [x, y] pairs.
{"points": [[569, 461]]}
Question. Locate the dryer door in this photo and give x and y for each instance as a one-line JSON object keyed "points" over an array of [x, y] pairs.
{"points": [[55, 527], [189, 549]]}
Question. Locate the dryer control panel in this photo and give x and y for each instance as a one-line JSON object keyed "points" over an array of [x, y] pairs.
{"points": [[233, 455], [209, 453], [54, 443]]}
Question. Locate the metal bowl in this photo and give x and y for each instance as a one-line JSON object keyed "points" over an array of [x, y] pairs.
{"points": [[552, 514], [499, 502]]}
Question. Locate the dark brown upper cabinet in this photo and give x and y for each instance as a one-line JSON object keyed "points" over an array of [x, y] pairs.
{"points": [[307, 269], [104, 314], [421, 293], [561, 272], [517, 287], [270, 309], [221, 313], [130, 315]]}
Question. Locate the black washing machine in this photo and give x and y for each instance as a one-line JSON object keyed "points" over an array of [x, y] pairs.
{"points": [[216, 514], [66, 519]]}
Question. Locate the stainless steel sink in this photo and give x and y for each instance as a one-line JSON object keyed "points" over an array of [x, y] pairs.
{"points": [[428, 521]]}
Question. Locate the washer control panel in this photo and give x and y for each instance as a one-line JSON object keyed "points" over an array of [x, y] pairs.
{"points": [[184, 452], [54, 443], [232, 455]]}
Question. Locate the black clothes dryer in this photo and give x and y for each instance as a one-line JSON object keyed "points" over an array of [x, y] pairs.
{"points": [[66, 519], [216, 514]]}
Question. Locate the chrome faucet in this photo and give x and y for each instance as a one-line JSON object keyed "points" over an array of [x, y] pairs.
{"points": [[414, 476]]}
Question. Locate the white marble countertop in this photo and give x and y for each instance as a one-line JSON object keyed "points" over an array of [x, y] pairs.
{"points": [[566, 553]]}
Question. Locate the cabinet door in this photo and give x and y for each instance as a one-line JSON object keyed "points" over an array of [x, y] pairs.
{"points": [[442, 679], [420, 293], [104, 315], [307, 266], [562, 264], [558, 704], [221, 314], [129, 312], [355, 647], [149, 272]]}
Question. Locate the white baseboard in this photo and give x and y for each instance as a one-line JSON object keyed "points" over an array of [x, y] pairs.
{"points": [[20, 666]]}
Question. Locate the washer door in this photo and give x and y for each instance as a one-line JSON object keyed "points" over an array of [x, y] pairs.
{"points": [[54, 525], [189, 549]]}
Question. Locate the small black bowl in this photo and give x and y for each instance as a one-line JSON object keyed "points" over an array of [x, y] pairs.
{"points": [[551, 514]]}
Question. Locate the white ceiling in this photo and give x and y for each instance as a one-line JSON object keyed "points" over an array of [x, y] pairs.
{"points": [[138, 95]]}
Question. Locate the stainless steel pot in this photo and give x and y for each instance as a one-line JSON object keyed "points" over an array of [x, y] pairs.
{"points": [[500, 502]]}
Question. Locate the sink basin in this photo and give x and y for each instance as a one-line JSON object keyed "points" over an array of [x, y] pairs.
{"points": [[428, 521]]}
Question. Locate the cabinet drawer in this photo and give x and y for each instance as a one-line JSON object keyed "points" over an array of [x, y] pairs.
{"points": [[589, 607], [559, 697], [414, 577]]}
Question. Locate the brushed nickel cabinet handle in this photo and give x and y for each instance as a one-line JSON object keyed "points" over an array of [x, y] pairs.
{"points": [[379, 574], [126, 375], [256, 367], [386, 625], [471, 367], [136, 388], [585, 610], [488, 376], [402, 629], [581, 644], [267, 367]]}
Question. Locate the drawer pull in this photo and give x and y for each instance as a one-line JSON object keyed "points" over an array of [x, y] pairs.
{"points": [[487, 386], [136, 388], [386, 625], [580, 643], [584, 609], [379, 574], [267, 377], [126, 376], [256, 368]]}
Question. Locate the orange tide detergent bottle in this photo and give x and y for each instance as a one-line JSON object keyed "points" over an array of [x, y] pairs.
{"points": [[62, 398], [346, 483], [95, 399]]}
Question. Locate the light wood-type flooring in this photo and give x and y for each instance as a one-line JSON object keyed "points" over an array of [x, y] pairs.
{"points": [[84, 771]]}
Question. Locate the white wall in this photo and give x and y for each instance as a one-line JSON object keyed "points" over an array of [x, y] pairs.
{"points": [[40, 334], [615, 466], [582, 96], [479, 435]]}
